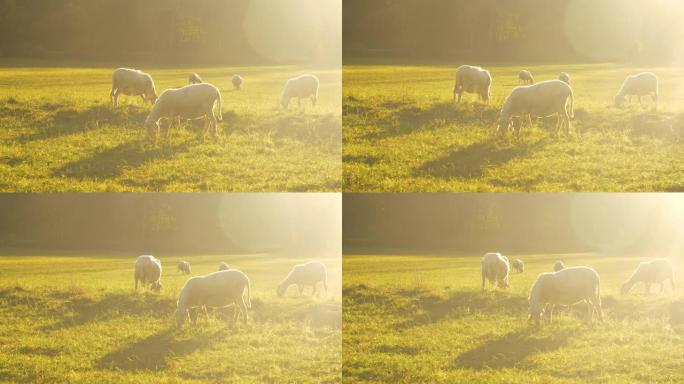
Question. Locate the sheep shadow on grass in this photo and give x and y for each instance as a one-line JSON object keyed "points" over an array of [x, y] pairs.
{"points": [[75, 309], [471, 162], [407, 119], [111, 162], [418, 307], [509, 350], [152, 352], [63, 120]]}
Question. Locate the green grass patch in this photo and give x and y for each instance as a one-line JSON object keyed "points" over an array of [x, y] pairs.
{"points": [[77, 319], [60, 133], [424, 319], [403, 133]]}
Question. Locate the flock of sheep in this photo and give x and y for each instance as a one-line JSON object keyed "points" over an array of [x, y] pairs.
{"points": [[223, 287], [195, 100], [568, 286], [546, 98]]}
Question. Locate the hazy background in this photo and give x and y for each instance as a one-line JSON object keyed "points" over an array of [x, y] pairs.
{"points": [[226, 32], [303, 225], [640, 224], [515, 30]]}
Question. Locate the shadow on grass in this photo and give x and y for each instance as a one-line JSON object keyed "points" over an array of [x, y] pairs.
{"points": [[153, 352], [408, 119], [510, 349], [323, 131], [64, 120], [75, 309], [418, 307], [111, 162], [472, 161]]}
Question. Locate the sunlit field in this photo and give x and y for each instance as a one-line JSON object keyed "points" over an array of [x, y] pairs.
{"points": [[61, 133], [412, 319], [77, 319], [402, 132]]}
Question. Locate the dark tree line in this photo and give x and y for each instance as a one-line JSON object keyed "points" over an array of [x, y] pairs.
{"points": [[529, 223], [164, 222], [512, 30], [156, 31]]}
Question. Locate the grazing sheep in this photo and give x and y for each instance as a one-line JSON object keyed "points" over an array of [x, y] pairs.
{"points": [[542, 99], [148, 270], [194, 78], [184, 267], [217, 289], [237, 82], [525, 77], [132, 82], [223, 266], [642, 84], [189, 102], [558, 265], [300, 87], [495, 268], [651, 272], [564, 77], [310, 273], [518, 265], [565, 287], [472, 80]]}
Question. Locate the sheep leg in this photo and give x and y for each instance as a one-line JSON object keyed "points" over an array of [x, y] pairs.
{"points": [[483, 281], [459, 97], [549, 311], [243, 309], [114, 96], [662, 287], [648, 288], [236, 313], [313, 100], [655, 100], [596, 302], [212, 123]]}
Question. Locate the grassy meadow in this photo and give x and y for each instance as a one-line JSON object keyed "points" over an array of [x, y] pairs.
{"points": [[61, 133], [413, 319], [77, 319], [403, 133]]}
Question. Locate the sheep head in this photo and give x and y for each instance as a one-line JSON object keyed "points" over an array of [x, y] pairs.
{"points": [[282, 287], [181, 315], [618, 100]]}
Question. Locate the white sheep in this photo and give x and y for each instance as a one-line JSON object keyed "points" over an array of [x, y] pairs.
{"points": [[642, 84], [472, 80], [525, 77], [542, 99], [564, 77], [558, 265], [132, 82], [148, 271], [184, 267], [237, 82], [223, 266], [307, 274], [194, 78], [189, 102], [651, 272], [495, 268], [217, 289], [565, 287], [304, 86], [518, 265]]}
